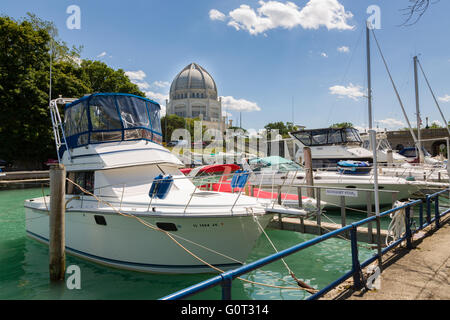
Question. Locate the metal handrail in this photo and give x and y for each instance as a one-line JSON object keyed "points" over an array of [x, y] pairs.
{"points": [[226, 278]]}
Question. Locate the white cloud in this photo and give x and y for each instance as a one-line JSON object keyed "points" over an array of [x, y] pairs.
{"points": [[138, 78], [158, 97], [351, 91], [436, 122], [323, 54], [391, 123], [102, 54], [343, 49], [445, 98], [231, 103], [275, 14], [142, 85], [226, 114], [161, 84], [136, 75], [216, 15]]}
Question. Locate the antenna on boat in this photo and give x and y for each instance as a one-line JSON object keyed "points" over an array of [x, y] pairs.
{"points": [[51, 62], [416, 86], [373, 142], [369, 76]]}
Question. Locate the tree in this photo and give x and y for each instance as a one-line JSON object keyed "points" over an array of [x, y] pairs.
{"points": [[26, 137], [415, 11], [283, 128], [342, 125], [170, 123]]}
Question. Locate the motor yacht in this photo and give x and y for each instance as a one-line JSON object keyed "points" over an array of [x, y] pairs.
{"points": [[127, 200]]}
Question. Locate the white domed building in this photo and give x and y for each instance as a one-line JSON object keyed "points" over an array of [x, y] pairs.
{"points": [[193, 94]]}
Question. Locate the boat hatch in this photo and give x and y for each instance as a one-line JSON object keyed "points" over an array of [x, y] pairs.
{"points": [[204, 194]]}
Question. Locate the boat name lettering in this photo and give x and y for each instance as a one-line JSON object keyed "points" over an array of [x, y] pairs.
{"points": [[344, 193]]}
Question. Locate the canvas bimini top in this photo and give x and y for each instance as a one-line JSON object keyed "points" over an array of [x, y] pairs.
{"points": [[328, 136], [111, 117]]}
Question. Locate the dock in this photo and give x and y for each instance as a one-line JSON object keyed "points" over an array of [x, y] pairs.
{"points": [[311, 227], [422, 273], [22, 179]]}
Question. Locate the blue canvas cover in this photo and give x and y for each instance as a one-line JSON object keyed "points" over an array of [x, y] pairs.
{"points": [[109, 117]]}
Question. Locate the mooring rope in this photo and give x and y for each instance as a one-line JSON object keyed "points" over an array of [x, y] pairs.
{"points": [[299, 282]]}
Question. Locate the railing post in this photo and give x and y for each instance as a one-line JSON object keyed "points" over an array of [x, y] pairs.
{"points": [[343, 214], [356, 267], [226, 286], [369, 214], [319, 212], [420, 215], [300, 200], [428, 209], [436, 211], [408, 227]]}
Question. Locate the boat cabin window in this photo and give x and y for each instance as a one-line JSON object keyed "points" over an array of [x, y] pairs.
{"points": [[83, 178], [111, 117], [329, 136]]}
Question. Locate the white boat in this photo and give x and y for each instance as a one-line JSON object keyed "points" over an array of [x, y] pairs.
{"points": [[111, 146], [383, 146], [273, 171], [331, 145]]}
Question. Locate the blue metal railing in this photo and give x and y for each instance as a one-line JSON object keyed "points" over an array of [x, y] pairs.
{"points": [[225, 279]]}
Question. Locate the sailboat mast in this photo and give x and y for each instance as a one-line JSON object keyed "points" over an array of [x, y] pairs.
{"points": [[419, 142], [369, 76]]}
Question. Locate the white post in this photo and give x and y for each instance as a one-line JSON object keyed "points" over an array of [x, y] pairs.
{"points": [[373, 141]]}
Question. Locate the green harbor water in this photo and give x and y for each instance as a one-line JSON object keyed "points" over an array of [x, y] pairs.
{"points": [[24, 265]]}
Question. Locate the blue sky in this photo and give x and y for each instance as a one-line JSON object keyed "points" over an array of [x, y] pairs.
{"points": [[268, 58]]}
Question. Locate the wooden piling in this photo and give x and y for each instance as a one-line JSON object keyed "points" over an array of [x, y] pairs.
{"points": [[309, 171], [57, 258]]}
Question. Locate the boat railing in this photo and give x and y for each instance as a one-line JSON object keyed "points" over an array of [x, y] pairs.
{"points": [[107, 194], [225, 279], [116, 193]]}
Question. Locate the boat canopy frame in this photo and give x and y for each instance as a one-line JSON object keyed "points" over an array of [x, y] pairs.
{"points": [[110, 117], [328, 136]]}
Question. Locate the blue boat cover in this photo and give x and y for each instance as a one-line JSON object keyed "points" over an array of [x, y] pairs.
{"points": [[239, 179], [161, 186], [111, 117]]}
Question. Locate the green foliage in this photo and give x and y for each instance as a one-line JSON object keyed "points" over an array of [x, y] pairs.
{"points": [[342, 125], [435, 125], [170, 123], [25, 129], [283, 128]]}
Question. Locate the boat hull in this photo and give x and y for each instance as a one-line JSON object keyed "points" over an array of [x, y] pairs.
{"points": [[126, 243]]}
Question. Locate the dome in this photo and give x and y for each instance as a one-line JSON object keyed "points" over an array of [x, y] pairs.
{"points": [[191, 80]]}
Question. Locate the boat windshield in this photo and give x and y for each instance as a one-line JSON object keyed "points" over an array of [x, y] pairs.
{"points": [[274, 163], [329, 136], [107, 117]]}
